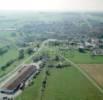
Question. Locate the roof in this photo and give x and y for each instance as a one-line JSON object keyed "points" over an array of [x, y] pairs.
{"points": [[22, 76]]}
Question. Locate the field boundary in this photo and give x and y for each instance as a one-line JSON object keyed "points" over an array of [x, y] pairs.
{"points": [[84, 73], [91, 72]]}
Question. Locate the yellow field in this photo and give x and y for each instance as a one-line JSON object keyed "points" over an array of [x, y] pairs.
{"points": [[95, 71]]}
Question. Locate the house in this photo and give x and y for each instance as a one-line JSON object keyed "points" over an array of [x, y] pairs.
{"points": [[89, 45]]}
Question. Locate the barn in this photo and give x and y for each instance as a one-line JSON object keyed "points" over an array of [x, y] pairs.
{"points": [[22, 76]]}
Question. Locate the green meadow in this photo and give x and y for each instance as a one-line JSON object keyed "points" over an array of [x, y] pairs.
{"points": [[62, 84]]}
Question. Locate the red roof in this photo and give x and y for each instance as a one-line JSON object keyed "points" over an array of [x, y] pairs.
{"points": [[21, 77]]}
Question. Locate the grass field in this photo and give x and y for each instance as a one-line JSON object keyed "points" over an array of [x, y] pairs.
{"points": [[11, 54], [65, 84], [83, 58], [95, 71], [62, 84]]}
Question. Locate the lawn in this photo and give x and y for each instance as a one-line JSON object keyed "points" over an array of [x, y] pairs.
{"points": [[62, 84], [83, 58]]}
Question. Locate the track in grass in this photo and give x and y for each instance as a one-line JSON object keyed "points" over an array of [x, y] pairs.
{"points": [[70, 84], [95, 71]]}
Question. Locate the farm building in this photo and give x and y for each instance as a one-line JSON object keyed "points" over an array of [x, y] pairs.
{"points": [[89, 45], [19, 80]]}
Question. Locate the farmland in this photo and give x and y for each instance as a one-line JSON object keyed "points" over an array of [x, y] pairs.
{"points": [[11, 54], [55, 40], [95, 71], [62, 84], [83, 58]]}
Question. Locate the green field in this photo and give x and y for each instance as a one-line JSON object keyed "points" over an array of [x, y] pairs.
{"points": [[11, 54], [83, 58], [8, 56], [29, 30], [12, 67], [62, 84]]}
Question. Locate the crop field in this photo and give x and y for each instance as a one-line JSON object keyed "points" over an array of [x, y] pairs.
{"points": [[95, 71], [62, 84], [66, 83]]}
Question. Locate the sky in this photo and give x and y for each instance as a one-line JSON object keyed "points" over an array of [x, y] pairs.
{"points": [[52, 5]]}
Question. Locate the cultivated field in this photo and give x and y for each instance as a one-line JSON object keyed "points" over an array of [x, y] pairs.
{"points": [[64, 81], [62, 84], [95, 71]]}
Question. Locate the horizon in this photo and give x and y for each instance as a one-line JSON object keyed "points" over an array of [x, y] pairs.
{"points": [[52, 6], [31, 11]]}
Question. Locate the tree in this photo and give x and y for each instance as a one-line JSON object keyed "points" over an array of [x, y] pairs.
{"points": [[59, 65], [57, 58], [30, 51], [82, 50], [44, 83], [21, 54], [47, 72]]}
